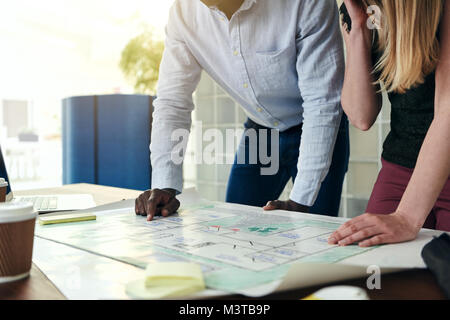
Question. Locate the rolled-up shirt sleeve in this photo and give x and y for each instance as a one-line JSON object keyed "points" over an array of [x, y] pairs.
{"points": [[320, 68], [179, 75]]}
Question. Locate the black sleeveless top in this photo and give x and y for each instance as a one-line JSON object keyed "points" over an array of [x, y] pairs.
{"points": [[411, 117]]}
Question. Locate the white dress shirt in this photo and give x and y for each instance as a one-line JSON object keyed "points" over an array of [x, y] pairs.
{"points": [[281, 60]]}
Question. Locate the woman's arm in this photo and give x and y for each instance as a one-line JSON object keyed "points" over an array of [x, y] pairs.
{"points": [[430, 175], [433, 165], [360, 99]]}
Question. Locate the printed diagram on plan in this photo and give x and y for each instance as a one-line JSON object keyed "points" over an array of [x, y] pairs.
{"points": [[238, 247]]}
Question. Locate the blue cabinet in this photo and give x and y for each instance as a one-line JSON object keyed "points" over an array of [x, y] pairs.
{"points": [[106, 140]]}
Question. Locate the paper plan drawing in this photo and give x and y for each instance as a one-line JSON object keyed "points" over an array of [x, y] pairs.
{"points": [[238, 247]]}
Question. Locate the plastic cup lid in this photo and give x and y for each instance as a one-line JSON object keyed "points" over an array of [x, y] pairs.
{"points": [[16, 212], [341, 293], [3, 183]]}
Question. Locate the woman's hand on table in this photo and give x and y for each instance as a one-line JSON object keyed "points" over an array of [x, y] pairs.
{"points": [[375, 229]]}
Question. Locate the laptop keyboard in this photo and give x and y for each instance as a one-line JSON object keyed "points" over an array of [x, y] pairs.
{"points": [[42, 203]]}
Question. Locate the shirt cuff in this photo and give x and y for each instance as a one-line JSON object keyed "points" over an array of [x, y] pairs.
{"points": [[305, 192], [168, 178]]}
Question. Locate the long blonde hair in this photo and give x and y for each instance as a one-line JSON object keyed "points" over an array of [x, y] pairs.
{"points": [[407, 41]]}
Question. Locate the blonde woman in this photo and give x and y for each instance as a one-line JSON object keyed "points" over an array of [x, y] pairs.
{"points": [[409, 56]]}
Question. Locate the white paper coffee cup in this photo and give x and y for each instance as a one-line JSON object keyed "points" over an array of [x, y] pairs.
{"points": [[17, 222]]}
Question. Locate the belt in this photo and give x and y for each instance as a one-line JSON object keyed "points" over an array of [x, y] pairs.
{"points": [[250, 124]]}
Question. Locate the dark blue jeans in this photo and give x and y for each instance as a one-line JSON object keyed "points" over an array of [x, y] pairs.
{"points": [[247, 186]]}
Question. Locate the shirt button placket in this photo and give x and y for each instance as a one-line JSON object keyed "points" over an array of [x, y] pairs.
{"points": [[234, 30]]}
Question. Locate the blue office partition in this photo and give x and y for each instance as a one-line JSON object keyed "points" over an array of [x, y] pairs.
{"points": [[124, 124], [106, 140], [78, 140]]}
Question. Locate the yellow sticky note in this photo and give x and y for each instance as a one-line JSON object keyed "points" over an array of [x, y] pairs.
{"points": [[66, 218], [167, 280], [311, 297], [161, 274]]}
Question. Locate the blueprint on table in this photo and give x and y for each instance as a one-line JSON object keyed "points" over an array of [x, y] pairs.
{"points": [[238, 247]]}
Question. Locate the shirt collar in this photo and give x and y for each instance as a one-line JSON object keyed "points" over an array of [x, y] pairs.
{"points": [[246, 5]]}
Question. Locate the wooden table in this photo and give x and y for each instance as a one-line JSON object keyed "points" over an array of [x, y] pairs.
{"points": [[413, 284]]}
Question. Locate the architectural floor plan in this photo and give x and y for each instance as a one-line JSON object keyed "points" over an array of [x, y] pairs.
{"points": [[238, 247]]}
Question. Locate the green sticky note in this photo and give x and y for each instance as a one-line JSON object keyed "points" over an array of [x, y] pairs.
{"points": [[66, 218]]}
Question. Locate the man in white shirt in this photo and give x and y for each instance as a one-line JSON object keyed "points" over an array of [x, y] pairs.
{"points": [[283, 62]]}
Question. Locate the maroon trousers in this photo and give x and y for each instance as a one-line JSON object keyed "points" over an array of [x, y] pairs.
{"points": [[388, 191]]}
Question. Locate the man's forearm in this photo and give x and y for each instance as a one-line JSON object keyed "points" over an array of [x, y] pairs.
{"points": [[316, 153], [166, 174], [167, 170]]}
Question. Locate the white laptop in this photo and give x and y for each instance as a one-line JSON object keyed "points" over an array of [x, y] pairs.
{"points": [[48, 203]]}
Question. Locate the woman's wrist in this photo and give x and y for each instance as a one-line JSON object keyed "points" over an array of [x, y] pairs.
{"points": [[415, 220], [360, 35]]}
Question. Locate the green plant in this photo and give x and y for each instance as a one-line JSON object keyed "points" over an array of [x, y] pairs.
{"points": [[140, 62]]}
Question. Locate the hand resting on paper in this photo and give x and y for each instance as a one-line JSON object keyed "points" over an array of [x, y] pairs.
{"points": [[285, 205], [375, 229], [157, 202]]}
